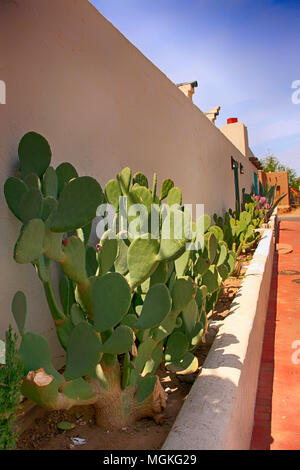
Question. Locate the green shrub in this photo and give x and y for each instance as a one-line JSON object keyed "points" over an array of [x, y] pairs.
{"points": [[11, 374]]}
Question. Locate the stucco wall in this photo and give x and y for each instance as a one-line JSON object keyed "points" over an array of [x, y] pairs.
{"points": [[71, 76]]}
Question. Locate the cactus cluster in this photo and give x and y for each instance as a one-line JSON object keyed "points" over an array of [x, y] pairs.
{"points": [[264, 200], [125, 305], [240, 228]]}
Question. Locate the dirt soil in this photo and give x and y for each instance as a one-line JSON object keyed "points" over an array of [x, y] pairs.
{"points": [[145, 434]]}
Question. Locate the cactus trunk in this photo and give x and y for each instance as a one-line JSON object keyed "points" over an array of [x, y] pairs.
{"points": [[114, 407], [117, 408]]}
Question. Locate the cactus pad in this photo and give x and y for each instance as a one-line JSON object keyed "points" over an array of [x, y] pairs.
{"points": [[29, 245], [19, 310], [156, 307], [119, 342], [34, 154], [83, 351], [77, 204], [111, 300], [35, 354], [65, 172], [14, 189]]}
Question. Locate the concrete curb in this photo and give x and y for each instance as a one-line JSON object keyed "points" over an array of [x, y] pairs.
{"points": [[219, 411]]}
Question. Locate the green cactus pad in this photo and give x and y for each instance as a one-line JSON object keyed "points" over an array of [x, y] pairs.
{"points": [[231, 260], [35, 354], [190, 316], [19, 310], [188, 364], [113, 193], [181, 263], [65, 172], [201, 294], [177, 346], [34, 154], [84, 295], [166, 187], [210, 279], [202, 265], [83, 351], [156, 307], [140, 179], [203, 223], [108, 253], [160, 274], [217, 231], [50, 183], [49, 205], [31, 205], [91, 263], [63, 332], [174, 196], [119, 342], [145, 351], [77, 204], [142, 259], [52, 247], [129, 320], [77, 315], [182, 293], [142, 195], [173, 239], [73, 264], [32, 181], [121, 259], [212, 245], [223, 271], [166, 327], [153, 363], [65, 426], [124, 179], [222, 254], [146, 386], [29, 245], [111, 300], [245, 218], [78, 389], [14, 190], [197, 334]]}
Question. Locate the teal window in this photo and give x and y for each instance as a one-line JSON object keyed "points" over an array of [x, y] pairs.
{"points": [[256, 183], [235, 167]]}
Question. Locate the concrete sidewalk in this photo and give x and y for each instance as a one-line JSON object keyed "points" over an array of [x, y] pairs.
{"points": [[277, 411]]}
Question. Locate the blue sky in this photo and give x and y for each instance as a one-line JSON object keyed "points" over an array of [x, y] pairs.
{"points": [[243, 53]]}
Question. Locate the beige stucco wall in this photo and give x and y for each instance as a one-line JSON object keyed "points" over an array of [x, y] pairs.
{"points": [[71, 76]]}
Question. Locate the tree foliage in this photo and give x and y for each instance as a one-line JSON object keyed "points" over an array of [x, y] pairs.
{"points": [[271, 164]]}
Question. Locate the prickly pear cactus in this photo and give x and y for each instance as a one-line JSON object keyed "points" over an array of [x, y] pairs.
{"points": [[125, 305]]}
